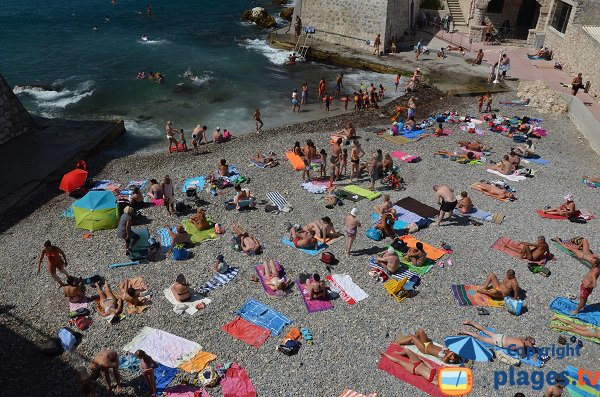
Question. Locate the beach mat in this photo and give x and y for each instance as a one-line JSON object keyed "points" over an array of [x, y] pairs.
{"points": [[572, 255], [277, 199], [247, 332], [513, 353], [163, 376], [198, 363], [314, 305], [312, 252], [467, 295], [399, 372], [588, 315], [395, 139], [502, 245], [344, 195], [558, 322], [197, 181], [140, 249], [512, 177], [185, 391], [407, 158], [417, 207], [432, 252], [295, 160], [401, 273], [413, 134], [478, 188], [199, 235], [359, 191], [535, 160], [404, 215], [237, 383], [346, 288], [585, 389], [585, 215], [219, 280], [280, 273], [263, 316]]}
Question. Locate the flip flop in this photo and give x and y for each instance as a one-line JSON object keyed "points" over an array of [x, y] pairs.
{"points": [[482, 311]]}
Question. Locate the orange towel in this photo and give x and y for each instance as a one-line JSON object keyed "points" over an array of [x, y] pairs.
{"points": [[432, 252], [295, 160], [198, 363]]}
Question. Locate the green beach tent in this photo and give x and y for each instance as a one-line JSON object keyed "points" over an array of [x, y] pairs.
{"points": [[97, 210]]}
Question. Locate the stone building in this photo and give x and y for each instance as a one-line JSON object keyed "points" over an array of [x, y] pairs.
{"points": [[353, 23], [14, 119]]}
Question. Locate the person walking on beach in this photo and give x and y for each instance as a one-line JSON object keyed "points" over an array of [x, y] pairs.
{"points": [[445, 197], [397, 81], [576, 84], [57, 260], [304, 94], [322, 87], [504, 65], [376, 45], [166, 186], [171, 135], [339, 84], [198, 136], [295, 102], [328, 100], [589, 282], [257, 119], [147, 365], [352, 225]]}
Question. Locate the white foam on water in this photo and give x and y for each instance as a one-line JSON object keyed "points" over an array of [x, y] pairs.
{"points": [[152, 42], [356, 79], [278, 57], [57, 99], [145, 129], [200, 80]]}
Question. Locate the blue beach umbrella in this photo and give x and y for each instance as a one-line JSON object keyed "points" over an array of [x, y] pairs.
{"points": [[469, 348]]}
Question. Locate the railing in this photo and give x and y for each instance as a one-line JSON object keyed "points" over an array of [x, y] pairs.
{"points": [[455, 38]]}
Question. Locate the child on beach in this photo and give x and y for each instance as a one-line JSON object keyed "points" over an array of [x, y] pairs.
{"points": [[480, 101], [439, 131], [488, 106], [182, 140], [344, 162], [381, 92], [327, 99], [345, 99], [397, 82], [323, 170], [306, 170], [295, 103]]}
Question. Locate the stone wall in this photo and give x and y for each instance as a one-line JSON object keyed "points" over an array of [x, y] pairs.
{"points": [[14, 119], [542, 97]]}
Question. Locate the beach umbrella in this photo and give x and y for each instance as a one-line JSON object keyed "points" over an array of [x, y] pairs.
{"points": [[96, 210], [469, 348], [73, 180]]}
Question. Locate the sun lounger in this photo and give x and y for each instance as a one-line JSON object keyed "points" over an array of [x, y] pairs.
{"points": [[313, 305], [359, 191], [564, 306], [467, 295]]}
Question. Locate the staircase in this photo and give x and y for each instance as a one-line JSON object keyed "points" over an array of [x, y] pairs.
{"points": [[456, 12]]}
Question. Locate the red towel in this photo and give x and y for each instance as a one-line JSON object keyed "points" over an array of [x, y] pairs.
{"points": [[396, 370], [237, 383], [503, 243], [551, 216], [246, 332]]}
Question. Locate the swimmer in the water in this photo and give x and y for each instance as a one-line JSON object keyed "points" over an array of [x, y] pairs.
{"points": [[189, 75], [106, 19], [95, 28], [144, 38]]}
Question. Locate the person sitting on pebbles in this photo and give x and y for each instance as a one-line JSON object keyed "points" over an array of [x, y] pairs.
{"points": [[316, 288], [425, 345], [386, 223], [465, 204], [181, 289], [199, 220], [504, 167], [416, 255], [389, 260], [492, 287], [323, 229], [74, 290], [567, 209], [385, 206], [223, 167], [179, 236], [303, 239], [220, 266]]}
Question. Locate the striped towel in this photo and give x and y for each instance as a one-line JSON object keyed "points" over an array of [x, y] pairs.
{"points": [[352, 393], [219, 280], [277, 199], [400, 274]]}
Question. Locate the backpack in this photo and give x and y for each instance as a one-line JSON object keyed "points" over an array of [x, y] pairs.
{"points": [[68, 341], [374, 234], [328, 258], [290, 347]]}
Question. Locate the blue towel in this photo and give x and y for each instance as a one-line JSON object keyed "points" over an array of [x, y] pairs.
{"points": [[69, 213], [164, 376], [263, 316], [165, 237], [477, 214], [130, 363], [257, 164], [413, 134], [537, 160], [218, 280], [197, 180], [527, 360], [312, 252], [575, 389], [398, 224], [564, 306]]}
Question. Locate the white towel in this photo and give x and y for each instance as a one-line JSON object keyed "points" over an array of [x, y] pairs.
{"points": [[511, 177], [191, 304], [348, 290]]}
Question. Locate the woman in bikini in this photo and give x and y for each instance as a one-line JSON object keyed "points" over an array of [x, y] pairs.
{"points": [[579, 329], [108, 304], [155, 192], [425, 345], [148, 365], [271, 276], [415, 365], [56, 261], [355, 157], [417, 255], [297, 150], [181, 289]]}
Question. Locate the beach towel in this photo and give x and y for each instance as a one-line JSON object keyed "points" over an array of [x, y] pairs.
{"points": [[129, 362], [417, 207], [199, 235], [429, 357], [247, 332], [352, 393], [413, 134], [407, 158], [198, 362], [477, 154], [123, 264], [344, 195], [402, 272], [477, 186], [138, 283], [535, 160], [198, 182], [512, 177], [585, 389], [513, 353], [408, 217], [431, 251], [559, 322], [295, 160], [317, 186], [165, 238], [581, 214], [257, 164], [467, 295], [281, 274], [395, 139], [420, 270], [83, 304], [237, 383], [157, 202], [219, 280], [163, 376], [106, 184], [139, 250], [513, 248], [165, 348], [359, 191], [590, 184], [399, 372], [313, 305], [190, 304], [68, 213], [398, 224], [346, 288], [572, 254], [278, 200], [478, 131], [140, 183], [564, 306], [312, 252], [186, 391], [263, 316]]}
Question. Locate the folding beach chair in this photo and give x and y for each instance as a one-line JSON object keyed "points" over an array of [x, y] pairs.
{"points": [[396, 288]]}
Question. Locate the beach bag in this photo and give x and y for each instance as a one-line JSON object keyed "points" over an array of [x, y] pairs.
{"points": [[328, 258], [400, 245], [271, 208], [68, 341], [208, 377], [513, 306], [191, 191], [180, 254], [290, 347], [506, 359], [374, 234]]}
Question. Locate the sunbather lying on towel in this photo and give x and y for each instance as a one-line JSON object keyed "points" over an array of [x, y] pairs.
{"points": [[496, 191], [316, 288], [416, 255], [504, 167], [199, 220], [181, 289], [426, 346], [107, 303], [580, 247], [385, 206], [415, 366], [248, 243], [74, 290], [457, 156], [465, 204], [386, 223], [269, 161], [495, 289], [521, 345], [567, 209], [474, 146], [302, 238], [389, 260], [578, 329], [323, 229], [271, 276]]}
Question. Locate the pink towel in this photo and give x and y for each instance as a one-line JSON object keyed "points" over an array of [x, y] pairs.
{"points": [[157, 202], [314, 305], [407, 158], [81, 305], [237, 383], [247, 332], [186, 391], [267, 289]]}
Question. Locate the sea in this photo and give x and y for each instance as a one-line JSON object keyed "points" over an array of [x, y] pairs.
{"points": [[94, 72]]}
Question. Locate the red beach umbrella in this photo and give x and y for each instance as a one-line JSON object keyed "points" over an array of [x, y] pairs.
{"points": [[73, 180]]}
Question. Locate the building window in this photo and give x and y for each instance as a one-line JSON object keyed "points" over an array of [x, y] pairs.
{"points": [[495, 6], [560, 19]]}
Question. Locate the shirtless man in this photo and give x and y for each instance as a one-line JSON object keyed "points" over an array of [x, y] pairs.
{"points": [[352, 225], [349, 132], [425, 345], [496, 191], [540, 250], [445, 197], [580, 247], [181, 289], [171, 134], [474, 146], [567, 209], [557, 389], [316, 288], [108, 304], [323, 228], [385, 206], [73, 290], [478, 58], [198, 136], [589, 282], [389, 260], [218, 136], [386, 223], [465, 204], [310, 150], [495, 289], [180, 236], [521, 345], [303, 238], [257, 119], [504, 167], [514, 159], [339, 84], [416, 255], [248, 243], [103, 362]]}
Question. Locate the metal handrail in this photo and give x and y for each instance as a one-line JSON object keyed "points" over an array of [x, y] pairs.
{"points": [[458, 39]]}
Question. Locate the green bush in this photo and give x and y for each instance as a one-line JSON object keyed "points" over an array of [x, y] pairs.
{"points": [[432, 4]]}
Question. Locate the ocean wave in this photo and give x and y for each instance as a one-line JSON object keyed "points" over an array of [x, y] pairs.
{"points": [[139, 129], [150, 42], [199, 80], [57, 98], [278, 57]]}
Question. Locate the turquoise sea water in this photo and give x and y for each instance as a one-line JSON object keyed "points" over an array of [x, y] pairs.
{"points": [[52, 42]]}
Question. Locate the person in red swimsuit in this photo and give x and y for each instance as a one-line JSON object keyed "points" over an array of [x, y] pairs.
{"points": [[415, 365], [57, 260]]}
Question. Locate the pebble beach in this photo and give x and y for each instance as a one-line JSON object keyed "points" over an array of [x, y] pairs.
{"points": [[348, 338]]}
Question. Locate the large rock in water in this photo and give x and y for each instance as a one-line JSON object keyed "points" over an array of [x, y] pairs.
{"points": [[260, 17], [287, 13]]}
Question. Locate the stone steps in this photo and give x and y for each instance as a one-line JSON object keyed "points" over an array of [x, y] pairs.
{"points": [[456, 12]]}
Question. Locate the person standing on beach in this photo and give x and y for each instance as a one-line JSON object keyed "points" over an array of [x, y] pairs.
{"points": [[166, 186], [304, 94], [258, 120], [328, 100], [339, 84], [504, 65], [589, 282], [352, 225], [57, 260], [445, 197], [355, 156], [322, 87], [171, 135], [376, 45], [576, 84], [295, 102], [198, 132], [397, 81]]}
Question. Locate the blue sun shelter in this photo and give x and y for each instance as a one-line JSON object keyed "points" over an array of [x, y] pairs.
{"points": [[97, 210]]}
